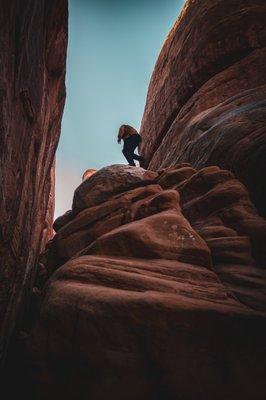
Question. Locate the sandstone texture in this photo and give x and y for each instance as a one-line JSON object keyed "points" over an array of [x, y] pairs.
{"points": [[206, 103], [32, 93], [154, 284], [154, 287]]}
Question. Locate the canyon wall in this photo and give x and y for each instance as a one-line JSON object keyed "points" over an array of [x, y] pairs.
{"points": [[33, 39], [206, 101], [154, 286]]}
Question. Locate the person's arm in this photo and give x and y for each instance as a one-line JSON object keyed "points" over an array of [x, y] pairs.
{"points": [[120, 135]]}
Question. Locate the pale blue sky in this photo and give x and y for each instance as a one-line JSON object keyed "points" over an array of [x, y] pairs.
{"points": [[113, 46]]}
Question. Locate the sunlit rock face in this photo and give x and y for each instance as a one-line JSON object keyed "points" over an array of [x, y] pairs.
{"points": [[206, 100], [153, 289], [108, 181], [32, 94], [88, 173]]}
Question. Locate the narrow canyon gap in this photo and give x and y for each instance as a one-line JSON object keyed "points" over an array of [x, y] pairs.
{"points": [[154, 283]]}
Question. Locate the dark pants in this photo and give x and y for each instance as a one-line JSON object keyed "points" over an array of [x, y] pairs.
{"points": [[130, 144]]}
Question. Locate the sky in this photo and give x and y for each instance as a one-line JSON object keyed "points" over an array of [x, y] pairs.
{"points": [[113, 46]]}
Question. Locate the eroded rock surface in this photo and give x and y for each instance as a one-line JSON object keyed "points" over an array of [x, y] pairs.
{"points": [[32, 93], [155, 292], [206, 101], [154, 286], [109, 180]]}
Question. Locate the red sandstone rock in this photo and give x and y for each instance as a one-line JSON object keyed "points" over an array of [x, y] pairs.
{"points": [[63, 220], [88, 173], [173, 177], [212, 199], [166, 235], [139, 329], [246, 283], [95, 221], [144, 307], [110, 181], [121, 203], [206, 100], [32, 94], [130, 320]]}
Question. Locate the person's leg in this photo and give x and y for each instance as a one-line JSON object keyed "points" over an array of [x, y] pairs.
{"points": [[137, 157], [128, 150], [129, 156], [135, 141], [130, 145]]}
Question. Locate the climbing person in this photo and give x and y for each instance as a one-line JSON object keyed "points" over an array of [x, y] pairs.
{"points": [[131, 139]]}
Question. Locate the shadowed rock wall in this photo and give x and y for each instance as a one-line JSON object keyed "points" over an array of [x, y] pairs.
{"points": [[206, 102], [153, 288], [33, 39]]}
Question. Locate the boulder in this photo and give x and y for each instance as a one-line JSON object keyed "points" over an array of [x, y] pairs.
{"points": [[121, 203], [63, 220], [214, 201], [88, 173], [174, 176], [108, 182], [166, 235], [95, 221]]}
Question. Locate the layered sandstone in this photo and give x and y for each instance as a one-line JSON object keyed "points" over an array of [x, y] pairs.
{"points": [[32, 94], [206, 99], [154, 286]]}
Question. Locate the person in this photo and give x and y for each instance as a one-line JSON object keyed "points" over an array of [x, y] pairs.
{"points": [[131, 139]]}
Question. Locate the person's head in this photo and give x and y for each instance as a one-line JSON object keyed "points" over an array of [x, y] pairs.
{"points": [[126, 129]]}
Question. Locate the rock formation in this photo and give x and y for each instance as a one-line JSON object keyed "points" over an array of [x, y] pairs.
{"points": [[156, 291], [154, 285], [206, 101], [88, 173], [32, 94]]}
